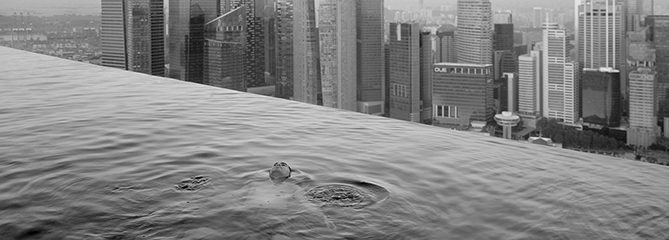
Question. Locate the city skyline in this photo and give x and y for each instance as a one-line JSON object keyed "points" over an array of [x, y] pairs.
{"points": [[352, 55]]}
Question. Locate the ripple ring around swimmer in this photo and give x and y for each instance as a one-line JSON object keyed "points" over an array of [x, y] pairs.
{"points": [[347, 193]]}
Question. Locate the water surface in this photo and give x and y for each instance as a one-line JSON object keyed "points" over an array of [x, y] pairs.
{"points": [[88, 152]]}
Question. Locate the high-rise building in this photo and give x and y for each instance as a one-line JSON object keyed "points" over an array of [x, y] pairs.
{"points": [[370, 32], [504, 58], [503, 37], [224, 47], [112, 34], [445, 47], [338, 53], [405, 71], [530, 87], [133, 35], [561, 77], [473, 37], [259, 70], [284, 48], [659, 36], [306, 65], [462, 93], [601, 34], [643, 129], [426, 68], [186, 37], [600, 97]]}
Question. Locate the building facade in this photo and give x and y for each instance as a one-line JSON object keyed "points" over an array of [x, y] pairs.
{"points": [[659, 36], [643, 105], [601, 33], [473, 37], [600, 98], [306, 59], [405, 71], [225, 41], [426, 69], [370, 32], [462, 94], [338, 53], [133, 35], [187, 19], [643, 130], [259, 68], [560, 77], [284, 48], [530, 87]]}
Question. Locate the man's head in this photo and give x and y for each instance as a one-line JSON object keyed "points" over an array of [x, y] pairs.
{"points": [[279, 172]]}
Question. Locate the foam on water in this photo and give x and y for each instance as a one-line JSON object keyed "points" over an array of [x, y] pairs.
{"points": [[88, 152]]}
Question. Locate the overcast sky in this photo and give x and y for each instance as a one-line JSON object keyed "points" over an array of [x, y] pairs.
{"points": [[69, 6], [93, 6]]}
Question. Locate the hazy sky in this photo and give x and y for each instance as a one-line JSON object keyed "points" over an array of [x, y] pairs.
{"points": [[70, 6], [93, 6]]}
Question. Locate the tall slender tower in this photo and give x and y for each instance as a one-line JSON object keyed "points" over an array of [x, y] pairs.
{"points": [[473, 37], [132, 35], [560, 77], [659, 36], [370, 32], [284, 48], [530, 87], [338, 53], [112, 34], [306, 63], [405, 71]]}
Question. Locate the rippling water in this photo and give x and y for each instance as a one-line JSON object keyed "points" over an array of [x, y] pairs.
{"points": [[93, 153]]}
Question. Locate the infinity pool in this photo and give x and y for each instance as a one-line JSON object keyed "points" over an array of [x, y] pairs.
{"points": [[88, 152]]}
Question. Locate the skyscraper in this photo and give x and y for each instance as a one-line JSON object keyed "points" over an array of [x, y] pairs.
{"points": [[561, 80], [306, 64], [225, 39], [530, 87], [473, 38], [504, 58], [462, 93], [601, 34], [643, 129], [260, 53], [284, 48], [338, 53], [600, 97], [370, 32], [405, 71], [186, 37], [426, 68], [112, 34], [659, 36], [132, 35]]}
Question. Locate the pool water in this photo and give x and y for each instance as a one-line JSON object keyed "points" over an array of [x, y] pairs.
{"points": [[88, 152]]}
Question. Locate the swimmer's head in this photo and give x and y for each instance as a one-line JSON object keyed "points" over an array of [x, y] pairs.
{"points": [[279, 172]]}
